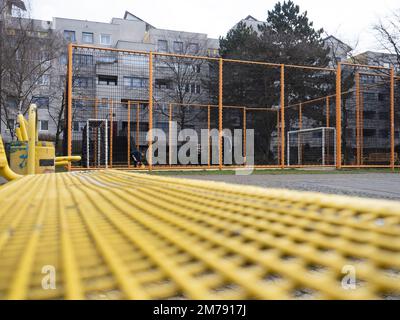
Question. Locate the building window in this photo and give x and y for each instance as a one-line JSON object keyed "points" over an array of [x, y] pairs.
{"points": [[162, 46], [367, 79], [43, 125], [135, 60], [63, 59], [42, 34], [384, 134], [369, 96], [43, 80], [369, 115], [381, 97], [178, 46], [87, 37], [384, 116], [11, 124], [69, 36], [83, 82], [369, 132], [83, 59], [193, 88], [110, 58], [108, 80], [41, 102], [75, 126], [135, 82], [105, 39], [11, 102], [193, 48], [163, 84]]}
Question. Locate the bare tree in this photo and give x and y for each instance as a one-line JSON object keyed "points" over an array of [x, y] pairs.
{"points": [[28, 50], [182, 80], [388, 34]]}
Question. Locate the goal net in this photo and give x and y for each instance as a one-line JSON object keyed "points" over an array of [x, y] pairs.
{"points": [[311, 147], [96, 143]]}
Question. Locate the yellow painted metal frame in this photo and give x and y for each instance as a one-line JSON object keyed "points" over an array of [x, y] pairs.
{"points": [[119, 235]]}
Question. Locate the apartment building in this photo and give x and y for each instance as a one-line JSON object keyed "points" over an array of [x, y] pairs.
{"points": [[111, 77]]}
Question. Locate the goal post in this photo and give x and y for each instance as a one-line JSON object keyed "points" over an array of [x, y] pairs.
{"points": [[316, 146], [97, 142]]}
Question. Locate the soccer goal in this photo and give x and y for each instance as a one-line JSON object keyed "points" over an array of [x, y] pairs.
{"points": [[97, 142], [315, 146]]}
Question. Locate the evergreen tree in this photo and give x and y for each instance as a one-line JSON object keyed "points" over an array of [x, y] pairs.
{"points": [[287, 37]]}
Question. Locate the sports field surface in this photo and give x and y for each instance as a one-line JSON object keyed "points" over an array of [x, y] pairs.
{"points": [[379, 184]]}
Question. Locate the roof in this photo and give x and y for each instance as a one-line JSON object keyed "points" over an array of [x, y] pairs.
{"points": [[338, 40], [249, 17], [129, 16]]}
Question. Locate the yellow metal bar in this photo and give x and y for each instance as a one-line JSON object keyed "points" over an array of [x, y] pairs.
{"points": [[339, 116], [150, 151], [71, 158], [120, 235], [5, 170], [19, 134], [392, 129], [23, 127], [61, 163], [282, 108], [32, 140]]}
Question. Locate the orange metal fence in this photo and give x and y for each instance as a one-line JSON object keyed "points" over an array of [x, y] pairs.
{"points": [[347, 116]]}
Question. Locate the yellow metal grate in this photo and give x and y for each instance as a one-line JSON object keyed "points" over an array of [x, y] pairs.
{"points": [[118, 235]]}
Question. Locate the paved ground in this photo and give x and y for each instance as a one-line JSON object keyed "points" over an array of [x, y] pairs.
{"points": [[369, 185]]}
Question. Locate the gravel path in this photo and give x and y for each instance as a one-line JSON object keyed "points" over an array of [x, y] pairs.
{"points": [[368, 185]]}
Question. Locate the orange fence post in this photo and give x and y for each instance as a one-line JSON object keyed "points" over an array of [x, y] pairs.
{"points": [[299, 147], [361, 128], [358, 119], [278, 136], [111, 132], [220, 112], [137, 125], [327, 112], [150, 151], [169, 133], [244, 135], [69, 105], [339, 116], [129, 134], [392, 130], [208, 140], [282, 116]]}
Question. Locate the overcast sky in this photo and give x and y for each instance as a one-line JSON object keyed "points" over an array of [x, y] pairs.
{"points": [[350, 20]]}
